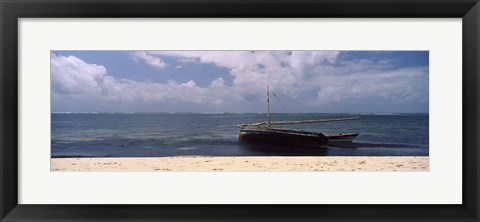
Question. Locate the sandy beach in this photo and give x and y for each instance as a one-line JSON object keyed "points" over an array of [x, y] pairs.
{"points": [[243, 164]]}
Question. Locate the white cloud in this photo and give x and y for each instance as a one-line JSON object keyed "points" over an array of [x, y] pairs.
{"points": [[253, 70], [71, 75], [149, 59], [327, 79], [217, 83], [292, 73], [73, 78], [404, 85]]}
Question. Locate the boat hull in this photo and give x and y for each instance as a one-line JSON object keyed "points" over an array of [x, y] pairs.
{"points": [[342, 137], [282, 137]]}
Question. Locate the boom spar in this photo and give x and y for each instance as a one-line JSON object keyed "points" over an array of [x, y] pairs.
{"points": [[300, 121]]}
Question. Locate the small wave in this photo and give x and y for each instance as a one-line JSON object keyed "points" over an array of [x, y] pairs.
{"points": [[187, 148]]}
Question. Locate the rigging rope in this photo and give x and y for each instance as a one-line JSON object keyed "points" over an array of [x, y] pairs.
{"points": [[280, 102], [283, 104]]}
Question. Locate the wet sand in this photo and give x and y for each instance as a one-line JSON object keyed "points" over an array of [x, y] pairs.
{"points": [[243, 164]]}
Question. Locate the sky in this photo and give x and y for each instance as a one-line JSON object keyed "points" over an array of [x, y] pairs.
{"points": [[236, 81]]}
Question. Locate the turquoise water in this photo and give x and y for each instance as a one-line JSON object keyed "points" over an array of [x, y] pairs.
{"points": [[163, 134]]}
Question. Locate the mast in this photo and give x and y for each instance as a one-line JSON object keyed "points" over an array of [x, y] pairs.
{"points": [[268, 106]]}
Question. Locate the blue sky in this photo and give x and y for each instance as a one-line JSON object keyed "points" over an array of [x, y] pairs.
{"points": [[235, 81]]}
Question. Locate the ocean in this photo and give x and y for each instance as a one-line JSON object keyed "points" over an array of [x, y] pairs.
{"points": [[187, 134]]}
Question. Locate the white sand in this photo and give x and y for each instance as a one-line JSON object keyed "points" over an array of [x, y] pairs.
{"points": [[214, 164]]}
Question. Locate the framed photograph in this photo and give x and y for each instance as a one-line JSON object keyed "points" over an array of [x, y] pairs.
{"points": [[227, 110]]}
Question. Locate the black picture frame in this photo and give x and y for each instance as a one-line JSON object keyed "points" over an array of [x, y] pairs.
{"points": [[12, 10]]}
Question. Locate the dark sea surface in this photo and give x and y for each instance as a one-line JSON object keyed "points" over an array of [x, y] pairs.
{"points": [[163, 134]]}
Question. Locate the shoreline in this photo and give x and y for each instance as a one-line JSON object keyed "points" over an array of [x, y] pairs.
{"points": [[242, 164]]}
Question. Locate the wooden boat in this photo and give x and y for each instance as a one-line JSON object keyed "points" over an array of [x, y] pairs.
{"points": [[265, 133], [284, 137]]}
